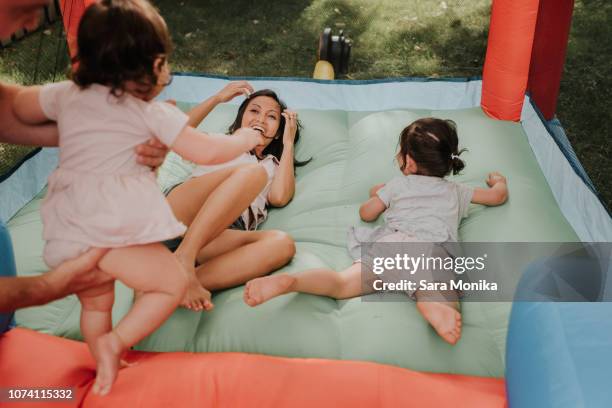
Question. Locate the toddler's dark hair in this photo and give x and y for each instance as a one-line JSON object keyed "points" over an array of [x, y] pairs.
{"points": [[433, 144], [119, 41]]}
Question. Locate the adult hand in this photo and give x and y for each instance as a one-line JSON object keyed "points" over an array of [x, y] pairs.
{"points": [[234, 89], [78, 274], [151, 153], [290, 126]]}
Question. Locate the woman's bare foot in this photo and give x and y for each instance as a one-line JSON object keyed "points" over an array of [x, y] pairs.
{"points": [[261, 290], [107, 350], [196, 297], [443, 317]]}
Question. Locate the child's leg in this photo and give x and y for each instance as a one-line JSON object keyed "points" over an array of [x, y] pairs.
{"points": [[321, 281], [441, 310], [156, 273], [96, 307]]}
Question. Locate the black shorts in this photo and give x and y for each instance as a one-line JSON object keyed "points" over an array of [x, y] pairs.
{"points": [[173, 244]]}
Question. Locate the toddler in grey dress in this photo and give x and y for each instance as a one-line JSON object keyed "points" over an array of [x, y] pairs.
{"points": [[422, 211]]}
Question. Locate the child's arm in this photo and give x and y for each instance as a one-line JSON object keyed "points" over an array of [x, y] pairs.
{"points": [[202, 148], [375, 189], [495, 195], [229, 92], [26, 106], [371, 209]]}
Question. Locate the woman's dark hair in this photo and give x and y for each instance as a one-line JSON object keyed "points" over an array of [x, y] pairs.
{"points": [[119, 41], [275, 147], [433, 144]]}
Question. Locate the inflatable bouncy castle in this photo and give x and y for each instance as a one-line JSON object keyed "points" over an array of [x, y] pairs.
{"points": [[305, 350]]}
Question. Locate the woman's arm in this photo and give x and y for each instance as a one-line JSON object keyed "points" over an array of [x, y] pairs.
{"points": [[282, 188], [496, 194], [229, 92]]}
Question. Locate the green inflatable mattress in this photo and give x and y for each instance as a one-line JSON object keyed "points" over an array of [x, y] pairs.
{"points": [[351, 152]]}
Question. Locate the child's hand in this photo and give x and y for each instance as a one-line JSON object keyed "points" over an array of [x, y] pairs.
{"points": [[495, 178], [254, 137], [375, 189], [496, 194], [234, 89]]}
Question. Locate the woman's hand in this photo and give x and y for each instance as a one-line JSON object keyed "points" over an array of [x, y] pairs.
{"points": [[290, 127], [234, 89], [152, 153]]}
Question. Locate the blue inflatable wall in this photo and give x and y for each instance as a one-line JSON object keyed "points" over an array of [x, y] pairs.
{"points": [[559, 349]]}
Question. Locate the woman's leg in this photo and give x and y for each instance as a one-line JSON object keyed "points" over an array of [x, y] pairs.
{"points": [[234, 257], [320, 281], [158, 276], [208, 205]]}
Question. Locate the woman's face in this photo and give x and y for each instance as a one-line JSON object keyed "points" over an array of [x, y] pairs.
{"points": [[262, 113]]}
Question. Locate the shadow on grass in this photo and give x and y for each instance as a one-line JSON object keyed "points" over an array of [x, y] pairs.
{"points": [[245, 38], [391, 38], [452, 46]]}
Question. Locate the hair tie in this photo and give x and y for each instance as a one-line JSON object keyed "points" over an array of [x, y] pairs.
{"points": [[454, 156]]}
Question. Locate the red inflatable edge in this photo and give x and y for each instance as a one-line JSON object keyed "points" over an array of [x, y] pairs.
{"points": [[31, 359]]}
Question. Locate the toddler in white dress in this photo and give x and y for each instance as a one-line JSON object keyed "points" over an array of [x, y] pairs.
{"points": [[99, 196]]}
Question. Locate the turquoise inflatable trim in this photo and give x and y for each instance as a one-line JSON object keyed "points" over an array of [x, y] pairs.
{"points": [[13, 169], [7, 269], [25, 181], [557, 133], [333, 81]]}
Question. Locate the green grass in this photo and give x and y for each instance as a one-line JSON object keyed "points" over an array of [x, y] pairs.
{"points": [[391, 38]]}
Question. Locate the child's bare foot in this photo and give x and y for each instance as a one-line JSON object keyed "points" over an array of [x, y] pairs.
{"points": [[196, 297], [107, 350], [125, 364], [261, 290], [443, 317]]}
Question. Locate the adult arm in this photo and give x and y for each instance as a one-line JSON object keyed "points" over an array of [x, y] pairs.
{"points": [[229, 92], [70, 277], [282, 187], [13, 130]]}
